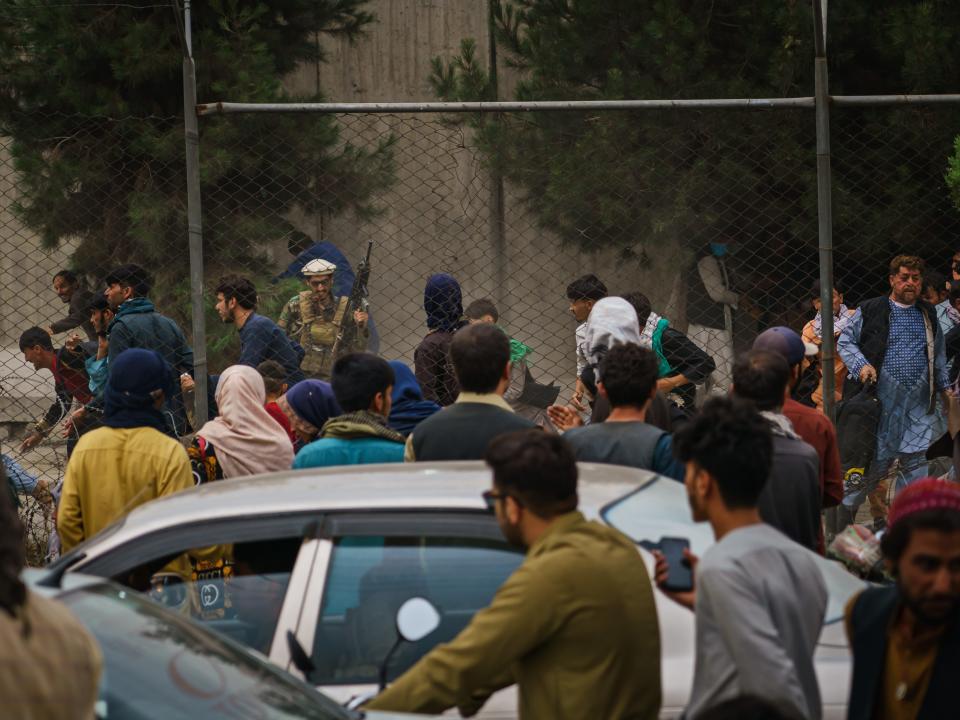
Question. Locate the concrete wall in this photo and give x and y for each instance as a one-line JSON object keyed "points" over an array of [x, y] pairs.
{"points": [[27, 298], [439, 216]]}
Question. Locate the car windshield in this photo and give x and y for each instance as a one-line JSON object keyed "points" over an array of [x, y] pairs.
{"points": [[159, 665], [659, 509]]}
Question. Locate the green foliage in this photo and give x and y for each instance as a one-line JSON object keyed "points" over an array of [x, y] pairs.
{"points": [[953, 173], [680, 178], [92, 96]]}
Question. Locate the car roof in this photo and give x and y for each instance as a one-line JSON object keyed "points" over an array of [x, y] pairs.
{"points": [[395, 486]]}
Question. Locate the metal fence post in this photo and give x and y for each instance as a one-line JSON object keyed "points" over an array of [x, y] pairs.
{"points": [[194, 225], [824, 206], [825, 225]]}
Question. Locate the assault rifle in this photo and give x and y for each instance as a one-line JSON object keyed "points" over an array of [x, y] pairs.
{"points": [[358, 300]]}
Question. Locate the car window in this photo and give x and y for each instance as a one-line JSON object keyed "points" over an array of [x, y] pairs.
{"points": [[234, 589], [370, 577], [157, 664], [659, 509]]}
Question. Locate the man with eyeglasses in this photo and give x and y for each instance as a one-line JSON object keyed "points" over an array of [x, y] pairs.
{"points": [[575, 626], [313, 318]]}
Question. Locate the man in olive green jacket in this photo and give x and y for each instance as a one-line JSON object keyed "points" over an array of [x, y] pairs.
{"points": [[575, 627]]}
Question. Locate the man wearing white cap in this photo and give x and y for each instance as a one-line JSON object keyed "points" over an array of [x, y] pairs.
{"points": [[314, 317]]}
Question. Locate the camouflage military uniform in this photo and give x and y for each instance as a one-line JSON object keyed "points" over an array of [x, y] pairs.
{"points": [[316, 328]]}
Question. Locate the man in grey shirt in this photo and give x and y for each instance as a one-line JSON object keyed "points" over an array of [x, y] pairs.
{"points": [[759, 598], [627, 377]]}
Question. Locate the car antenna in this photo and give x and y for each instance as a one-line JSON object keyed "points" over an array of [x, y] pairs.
{"points": [[53, 578]]}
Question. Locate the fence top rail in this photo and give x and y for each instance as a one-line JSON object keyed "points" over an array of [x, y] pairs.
{"points": [[512, 106], [877, 100], [222, 108]]}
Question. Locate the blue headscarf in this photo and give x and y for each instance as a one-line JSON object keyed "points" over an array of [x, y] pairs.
{"points": [[443, 302], [127, 400], [407, 406], [314, 401]]}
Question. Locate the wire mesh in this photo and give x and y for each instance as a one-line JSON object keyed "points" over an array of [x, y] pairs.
{"points": [[515, 206], [80, 196]]}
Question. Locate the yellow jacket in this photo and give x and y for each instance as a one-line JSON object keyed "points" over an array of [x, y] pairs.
{"points": [[575, 627], [111, 471]]}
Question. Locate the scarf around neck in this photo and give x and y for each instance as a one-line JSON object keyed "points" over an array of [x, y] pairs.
{"points": [[780, 424], [360, 424], [649, 328], [840, 321]]}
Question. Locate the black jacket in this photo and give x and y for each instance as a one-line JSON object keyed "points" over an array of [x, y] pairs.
{"points": [[463, 430], [870, 620]]}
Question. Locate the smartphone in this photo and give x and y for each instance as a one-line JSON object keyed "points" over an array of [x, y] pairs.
{"points": [[680, 575]]}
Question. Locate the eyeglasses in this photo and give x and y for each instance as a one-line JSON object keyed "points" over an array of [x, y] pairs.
{"points": [[320, 283], [490, 498]]}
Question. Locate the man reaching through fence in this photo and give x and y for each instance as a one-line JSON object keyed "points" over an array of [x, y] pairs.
{"points": [[71, 291], [70, 384], [137, 324]]}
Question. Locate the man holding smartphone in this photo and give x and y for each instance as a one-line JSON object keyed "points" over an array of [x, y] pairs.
{"points": [[759, 598]]}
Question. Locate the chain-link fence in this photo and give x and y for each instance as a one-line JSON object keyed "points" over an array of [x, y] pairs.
{"points": [[709, 216], [79, 198]]}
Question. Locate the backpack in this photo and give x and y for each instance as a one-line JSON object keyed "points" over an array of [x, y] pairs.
{"points": [[858, 418]]}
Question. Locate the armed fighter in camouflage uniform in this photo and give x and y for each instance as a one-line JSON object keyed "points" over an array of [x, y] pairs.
{"points": [[314, 317]]}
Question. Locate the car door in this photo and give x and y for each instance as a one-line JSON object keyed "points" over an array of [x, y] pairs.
{"points": [[242, 577], [368, 564]]}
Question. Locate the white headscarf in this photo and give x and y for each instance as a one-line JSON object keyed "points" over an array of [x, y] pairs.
{"points": [[612, 321], [245, 438]]}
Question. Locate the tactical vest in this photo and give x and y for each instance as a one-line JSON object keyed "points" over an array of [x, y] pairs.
{"points": [[318, 335]]}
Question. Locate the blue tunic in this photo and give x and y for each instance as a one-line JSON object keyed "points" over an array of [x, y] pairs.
{"points": [[902, 387]]}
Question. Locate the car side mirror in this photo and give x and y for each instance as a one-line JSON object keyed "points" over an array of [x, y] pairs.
{"points": [[416, 619]]}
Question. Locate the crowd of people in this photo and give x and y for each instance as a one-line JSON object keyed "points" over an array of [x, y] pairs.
{"points": [[759, 459]]}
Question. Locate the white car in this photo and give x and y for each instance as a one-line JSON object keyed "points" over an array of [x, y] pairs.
{"points": [[159, 666], [340, 549]]}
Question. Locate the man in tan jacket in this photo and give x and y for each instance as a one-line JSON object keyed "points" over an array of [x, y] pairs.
{"points": [[575, 627], [49, 664]]}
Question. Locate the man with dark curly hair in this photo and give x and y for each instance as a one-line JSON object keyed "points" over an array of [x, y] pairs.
{"points": [[51, 664], [759, 597], [627, 378]]}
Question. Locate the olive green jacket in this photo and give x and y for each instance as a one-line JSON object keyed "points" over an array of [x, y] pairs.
{"points": [[575, 627]]}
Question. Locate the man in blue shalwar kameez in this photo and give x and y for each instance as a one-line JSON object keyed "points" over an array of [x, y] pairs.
{"points": [[896, 342]]}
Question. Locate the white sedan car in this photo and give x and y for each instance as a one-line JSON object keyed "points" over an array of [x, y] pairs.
{"points": [[326, 557]]}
